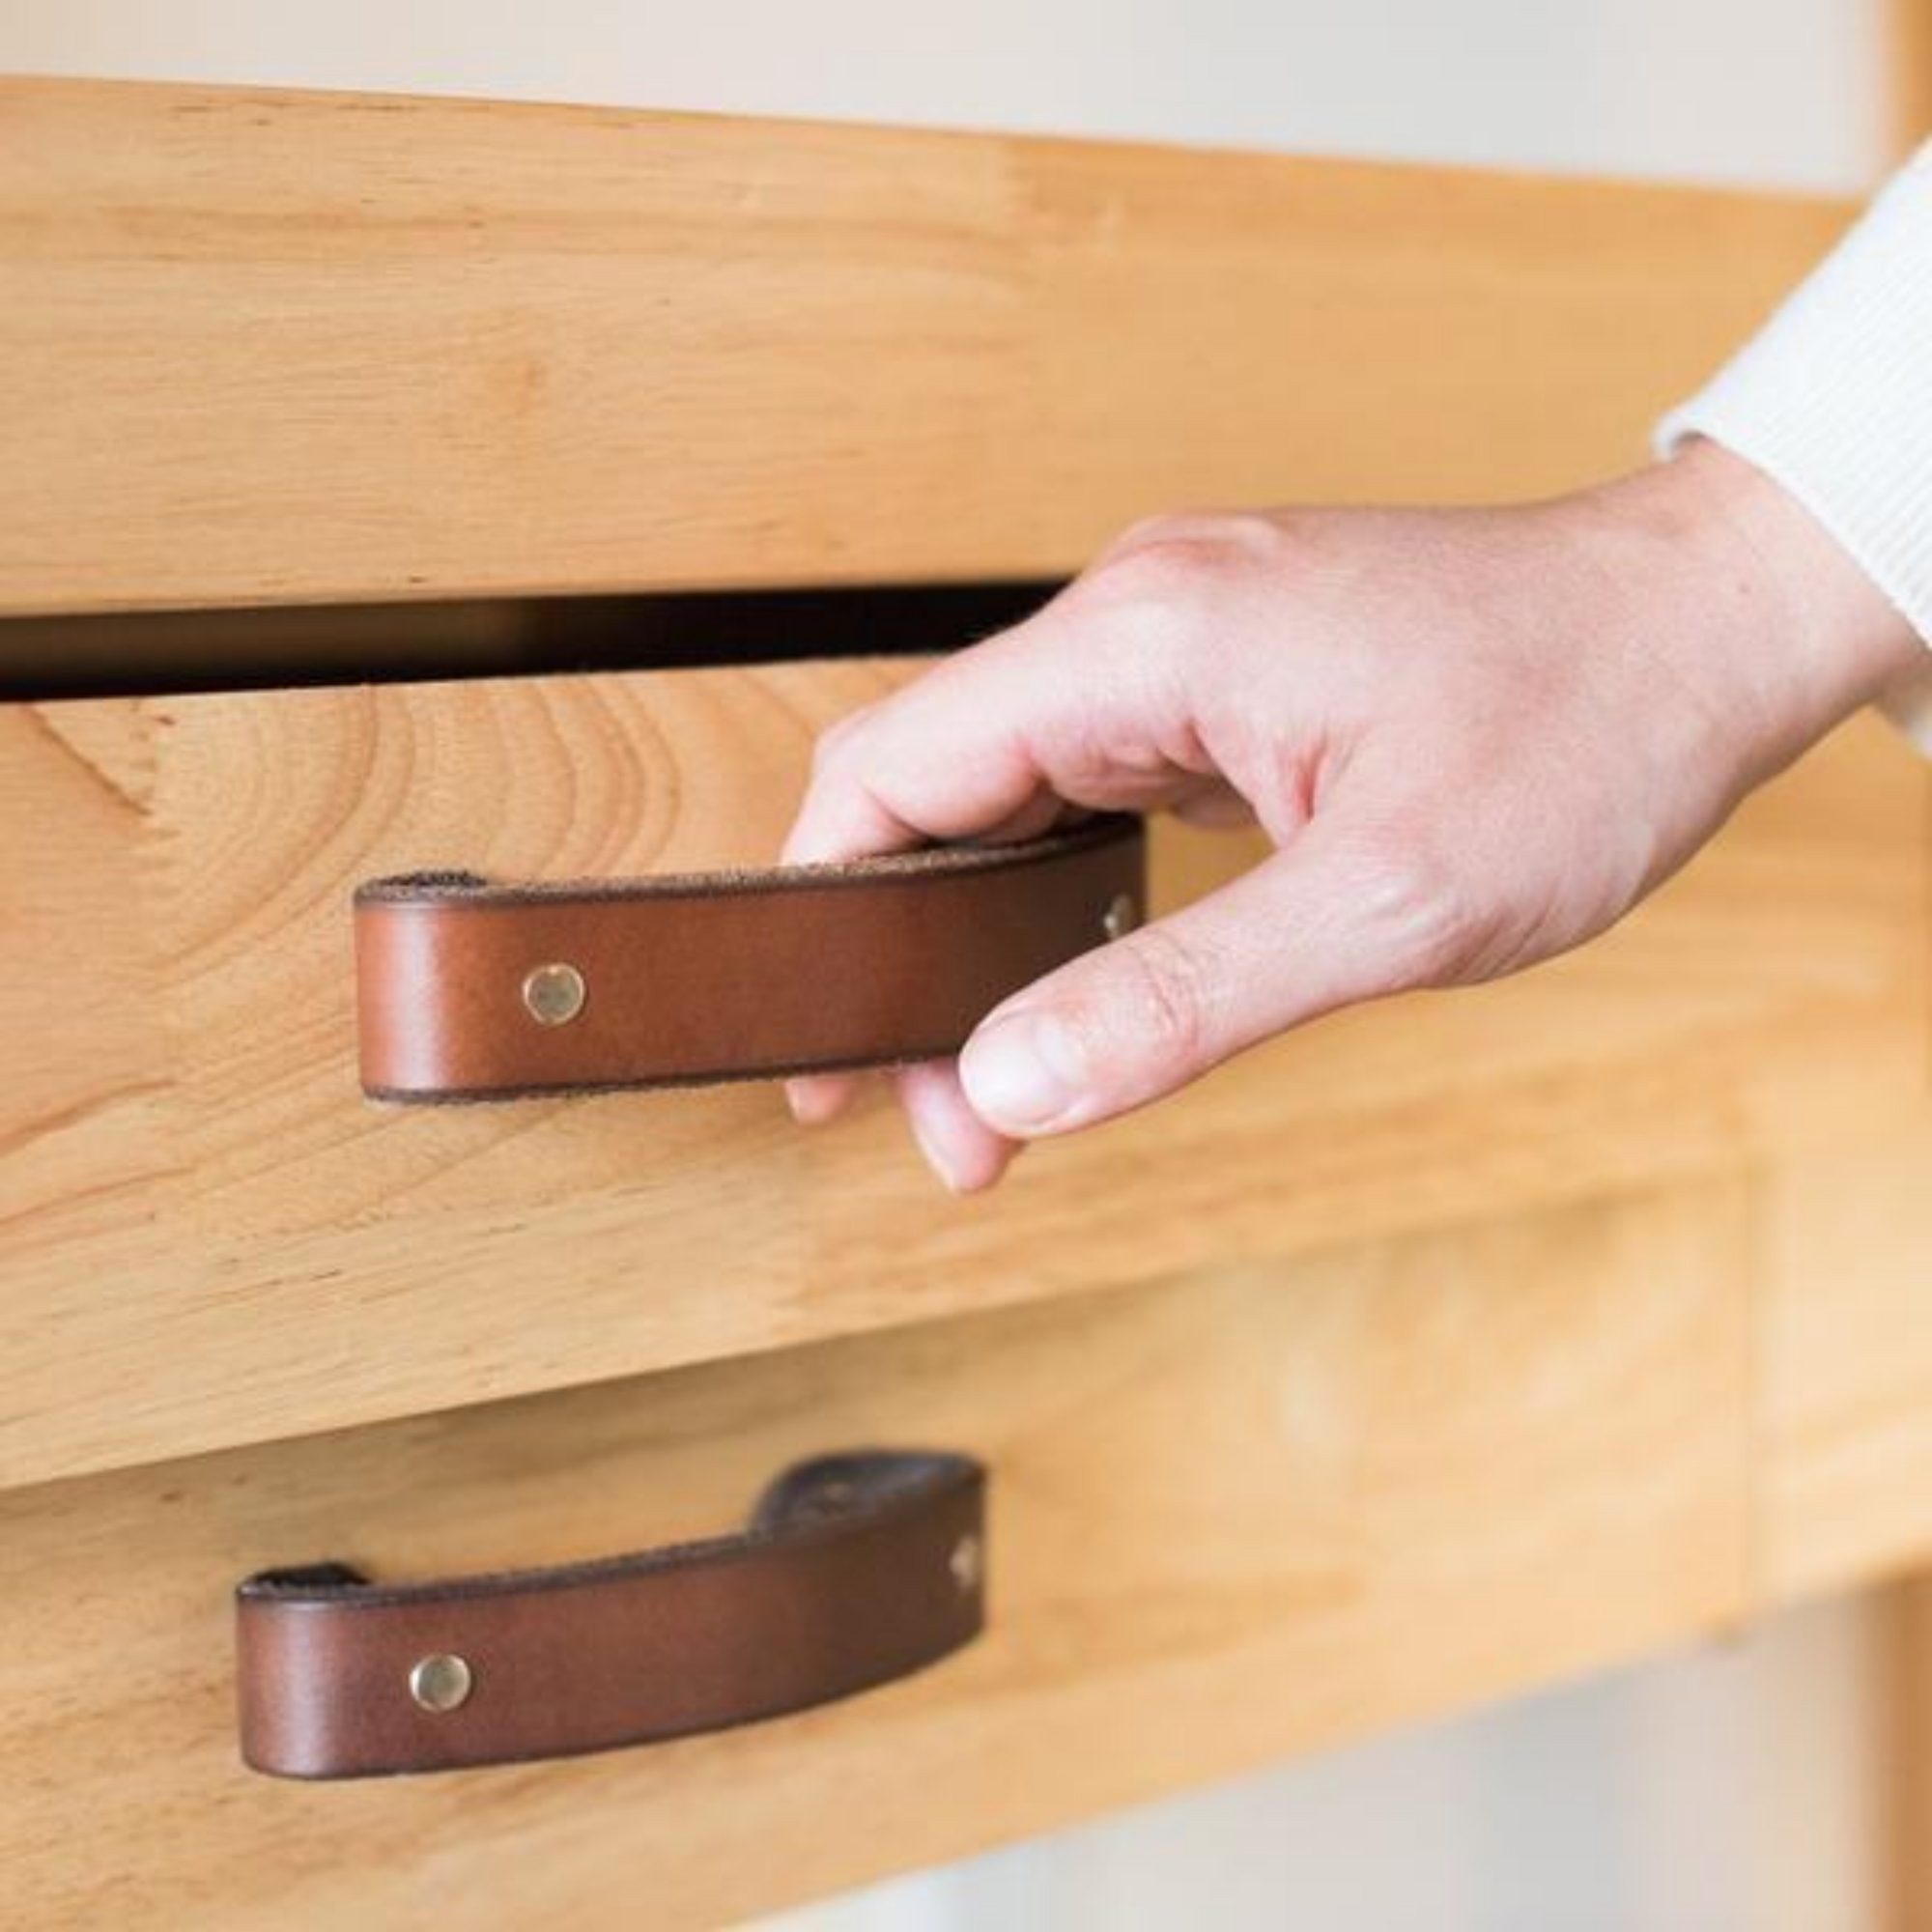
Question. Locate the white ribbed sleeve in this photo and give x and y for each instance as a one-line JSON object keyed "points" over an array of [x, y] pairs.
{"points": [[1833, 399]]}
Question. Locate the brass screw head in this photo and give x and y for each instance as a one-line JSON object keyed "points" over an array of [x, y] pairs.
{"points": [[966, 1563], [553, 994], [440, 1683]]}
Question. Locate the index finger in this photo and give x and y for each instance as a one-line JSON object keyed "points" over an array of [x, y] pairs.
{"points": [[955, 755]]}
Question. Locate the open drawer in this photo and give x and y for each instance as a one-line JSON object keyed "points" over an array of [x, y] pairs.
{"points": [[562, 352], [194, 1177]]}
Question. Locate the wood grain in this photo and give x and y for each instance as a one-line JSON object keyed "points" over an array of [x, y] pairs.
{"points": [[269, 347], [191, 1176], [1254, 1512], [1388, 1409], [1846, 1363]]}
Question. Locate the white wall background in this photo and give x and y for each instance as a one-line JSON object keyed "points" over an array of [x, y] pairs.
{"points": [[1743, 90], [1732, 1789], [1727, 1791]]}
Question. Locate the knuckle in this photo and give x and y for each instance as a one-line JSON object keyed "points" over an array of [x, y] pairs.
{"points": [[1157, 1003], [1177, 585], [1154, 593], [1222, 539], [1145, 531], [1418, 910], [837, 740], [1253, 535], [1147, 574], [1188, 555]]}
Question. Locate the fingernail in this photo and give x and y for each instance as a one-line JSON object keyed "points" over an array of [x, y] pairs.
{"points": [[814, 1100], [936, 1157], [1023, 1073]]}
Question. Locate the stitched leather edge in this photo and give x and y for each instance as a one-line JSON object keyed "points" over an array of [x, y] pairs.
{"points": [[474, 891]]}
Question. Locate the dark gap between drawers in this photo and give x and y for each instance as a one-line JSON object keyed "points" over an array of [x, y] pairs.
{"points": [[150, 652]]}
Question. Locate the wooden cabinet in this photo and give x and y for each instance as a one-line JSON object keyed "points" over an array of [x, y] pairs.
{"points": [[1436, 1351]]}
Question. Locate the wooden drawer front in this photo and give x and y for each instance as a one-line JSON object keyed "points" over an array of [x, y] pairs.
{"points": [[191, 1176], [1846, 1363], [1232, 1515], [262, 347]]}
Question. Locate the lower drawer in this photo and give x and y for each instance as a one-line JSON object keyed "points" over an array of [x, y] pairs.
{"points": [[1232, 1515]]}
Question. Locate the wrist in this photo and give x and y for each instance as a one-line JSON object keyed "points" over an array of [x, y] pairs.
{"points": [[1802, 633]]}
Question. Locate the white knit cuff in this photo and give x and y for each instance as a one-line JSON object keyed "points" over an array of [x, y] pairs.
{"points": [[1833, 399]]}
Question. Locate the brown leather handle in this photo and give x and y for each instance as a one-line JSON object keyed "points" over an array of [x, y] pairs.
{"points": [[855, 1568], [473, 991]]}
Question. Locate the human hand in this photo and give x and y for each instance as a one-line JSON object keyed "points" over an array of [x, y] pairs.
{"points": [[1475, 738]]}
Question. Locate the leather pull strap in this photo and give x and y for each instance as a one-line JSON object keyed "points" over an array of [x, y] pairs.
{"points": [[856, 1569], [472, 992]]}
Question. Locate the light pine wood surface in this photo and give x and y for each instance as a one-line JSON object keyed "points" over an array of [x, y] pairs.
{"points": [[265, 347], [191, 1176], [279, 346], [1244, 1512], [1256, 1511], [1440, 1350], [1845, 1363]]}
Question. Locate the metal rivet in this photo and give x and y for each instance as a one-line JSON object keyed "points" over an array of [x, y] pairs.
{"points": [[440, 1683], [1121, 916], [553, 994], [965, 1562]]}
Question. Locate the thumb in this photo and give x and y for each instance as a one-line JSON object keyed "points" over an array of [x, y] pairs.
{"points": [[1322, 924]]}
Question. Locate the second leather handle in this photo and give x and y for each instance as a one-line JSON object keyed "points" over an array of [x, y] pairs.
{"points": [[855, 1568], [468, 990]]}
